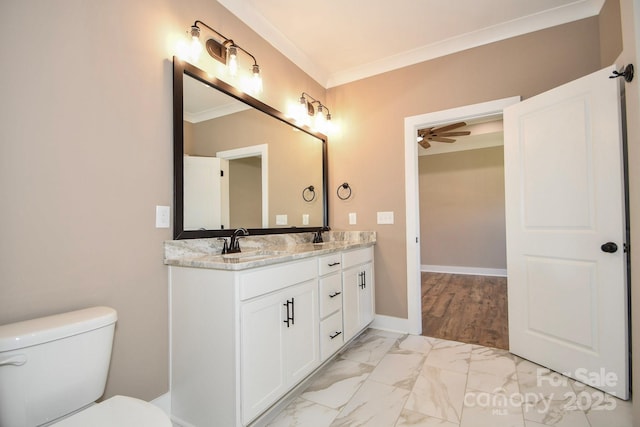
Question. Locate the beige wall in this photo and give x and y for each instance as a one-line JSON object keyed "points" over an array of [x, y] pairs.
{"points": [[86, 155], [369, 153], [245, 192], [610, 32], [462, 209]]}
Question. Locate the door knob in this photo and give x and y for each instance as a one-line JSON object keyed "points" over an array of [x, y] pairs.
{"points": [[609, 247]]}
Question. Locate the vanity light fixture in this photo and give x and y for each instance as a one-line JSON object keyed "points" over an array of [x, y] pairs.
{"points": [[321, 119], [224, 50]]}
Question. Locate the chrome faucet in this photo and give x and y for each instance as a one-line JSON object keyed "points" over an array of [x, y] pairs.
{"points": [[234, 244]]}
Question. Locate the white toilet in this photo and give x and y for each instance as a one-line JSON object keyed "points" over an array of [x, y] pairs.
{"points": [[54, 368]]}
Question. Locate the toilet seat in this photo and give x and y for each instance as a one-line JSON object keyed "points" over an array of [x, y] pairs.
{"points": [[118, 411]]}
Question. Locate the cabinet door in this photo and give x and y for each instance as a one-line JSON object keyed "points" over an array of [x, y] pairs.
{"points": [[365, 296], [302, 352], [279, 344], [350, 290], [357, 300], [262, 369]]}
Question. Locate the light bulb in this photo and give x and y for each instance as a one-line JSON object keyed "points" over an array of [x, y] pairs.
{"points": [[320, 122], [256, 79], [195, 48], [233, 61]]}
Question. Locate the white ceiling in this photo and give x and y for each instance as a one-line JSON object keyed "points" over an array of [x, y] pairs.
{"points": [[339, 41]]}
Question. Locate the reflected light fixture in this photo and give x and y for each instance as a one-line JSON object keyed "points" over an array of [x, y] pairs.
{"points": [[223, 50], [311, 107]]}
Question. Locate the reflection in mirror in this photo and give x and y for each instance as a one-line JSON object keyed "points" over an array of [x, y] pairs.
{"points": [[242, 164]]}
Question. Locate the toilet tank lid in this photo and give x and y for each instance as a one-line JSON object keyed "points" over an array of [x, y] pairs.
{"points": [[44, 329]]}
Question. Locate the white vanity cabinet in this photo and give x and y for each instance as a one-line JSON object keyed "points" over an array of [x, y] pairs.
{"points": [[358, 290], [241, 339]]}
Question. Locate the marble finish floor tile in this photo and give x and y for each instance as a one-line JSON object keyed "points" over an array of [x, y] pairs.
{"points": [[438, 393], [451, 356], [337, 383], [399, 369], [374, 404], [370, 347], [303, 413], [385, 379]]}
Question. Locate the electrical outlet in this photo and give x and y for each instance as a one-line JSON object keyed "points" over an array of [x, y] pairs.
{"points": [[163, 216], [305, 219], [352, 218]]}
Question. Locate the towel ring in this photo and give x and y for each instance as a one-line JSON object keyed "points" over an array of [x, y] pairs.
{"points": [[346, 193], [312, 194]]}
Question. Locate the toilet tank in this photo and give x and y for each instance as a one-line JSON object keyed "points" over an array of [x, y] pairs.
{"points": [[55, 365]]}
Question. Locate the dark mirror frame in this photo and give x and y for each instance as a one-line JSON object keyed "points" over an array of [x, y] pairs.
{"points": [[180, 68]]}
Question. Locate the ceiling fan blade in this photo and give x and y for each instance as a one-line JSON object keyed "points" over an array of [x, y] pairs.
{"points": [[448, 127], [440, 139], [446, 134], [424, 143]]}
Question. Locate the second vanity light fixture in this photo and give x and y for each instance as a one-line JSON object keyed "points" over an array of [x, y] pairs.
{"points": [[311, 107], [225, 51]]}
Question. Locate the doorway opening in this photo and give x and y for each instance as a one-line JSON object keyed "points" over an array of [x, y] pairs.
{"points": [[476, 112], [463, 234]]}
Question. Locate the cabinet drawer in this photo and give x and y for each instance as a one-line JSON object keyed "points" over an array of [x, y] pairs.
{"points": [[329, 263], [331, 336], [330, 294], [358, 256], [269, 279]]}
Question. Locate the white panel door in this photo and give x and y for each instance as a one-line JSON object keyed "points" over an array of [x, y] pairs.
{"points": [[564, 190], [203, 193]]}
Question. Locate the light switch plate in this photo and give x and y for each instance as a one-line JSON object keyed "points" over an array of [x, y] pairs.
{"points": [[163, 216], [305, 219], [385, 217], [281, 219], [352, 218]]}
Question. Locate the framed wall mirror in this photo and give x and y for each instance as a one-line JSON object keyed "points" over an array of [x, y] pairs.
{"points": [[241, 163]]}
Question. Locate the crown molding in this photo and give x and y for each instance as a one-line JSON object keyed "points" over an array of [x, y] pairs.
{"points": [[549, 18]]}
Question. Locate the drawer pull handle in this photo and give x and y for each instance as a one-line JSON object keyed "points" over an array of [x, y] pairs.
{"points": [[335, 294], [335, 334], [333, 264]]}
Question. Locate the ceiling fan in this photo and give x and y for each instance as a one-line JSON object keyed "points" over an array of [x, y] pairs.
{"points": [[440, 134]]}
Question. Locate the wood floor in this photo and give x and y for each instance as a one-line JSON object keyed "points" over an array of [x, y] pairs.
{"points": [[471, 309]]}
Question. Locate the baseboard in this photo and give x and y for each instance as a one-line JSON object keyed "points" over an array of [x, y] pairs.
{"points": [[392, 324], [163, 402], [454, 269]]}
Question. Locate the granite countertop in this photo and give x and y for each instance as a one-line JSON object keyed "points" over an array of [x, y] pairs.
{"points": [[258, 251]]}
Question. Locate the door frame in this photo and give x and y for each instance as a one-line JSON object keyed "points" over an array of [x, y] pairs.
{"points": [[412, 196], [262, 151]]}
